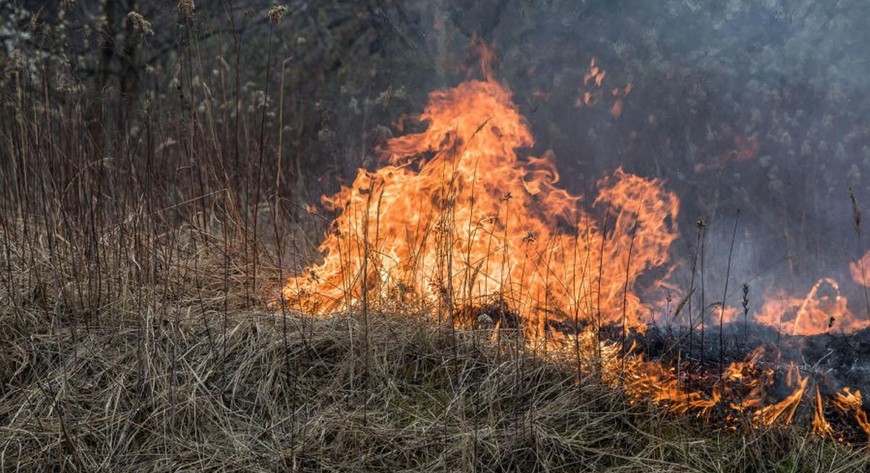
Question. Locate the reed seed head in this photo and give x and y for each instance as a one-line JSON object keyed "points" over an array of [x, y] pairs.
{"points": [[276, 13], [139, 23], [185, 9]]}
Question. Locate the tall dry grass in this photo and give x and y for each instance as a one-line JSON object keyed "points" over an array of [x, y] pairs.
{"points": [[142, 238]]}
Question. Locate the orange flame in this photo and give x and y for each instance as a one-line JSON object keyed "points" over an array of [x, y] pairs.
{"points": [[861, 270], [849, 402], [595, 74], [460, 216], [823, 310], [786, 408], [655, 382], [745, 148], [456, 216], [821, 426], [620, 93]]}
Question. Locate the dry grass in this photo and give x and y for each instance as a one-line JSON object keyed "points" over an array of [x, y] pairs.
{"points": [[138, 247], [156, 379]]}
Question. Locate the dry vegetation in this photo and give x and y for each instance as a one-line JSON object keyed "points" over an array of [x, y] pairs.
{"points": [[167, 383], [140, 244], [164, 380]]}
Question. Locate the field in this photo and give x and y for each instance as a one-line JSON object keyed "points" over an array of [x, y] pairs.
{"points": [[166, 303]]}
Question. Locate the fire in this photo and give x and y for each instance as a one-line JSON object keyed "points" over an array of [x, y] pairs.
{"points": [[860, 270], [745, 149], [742, 388], [852, 403], [619, 93], [786, 408], [595, 74], [822, 310], [460, 216], [593, 92], [744, 383], [457, 216], [660, 384], [821, 427]]}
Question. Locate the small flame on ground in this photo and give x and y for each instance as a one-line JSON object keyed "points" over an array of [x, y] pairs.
{"points": [[821, 426], [852, 403], [786, 408]]}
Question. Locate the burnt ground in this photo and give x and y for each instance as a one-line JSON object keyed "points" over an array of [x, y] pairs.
{"points": [[831, 361], [835, 360]]}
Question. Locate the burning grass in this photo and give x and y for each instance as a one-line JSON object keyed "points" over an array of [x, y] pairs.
{"points": [[165, 385], [179, 374], [474, 316], [457, 218]]}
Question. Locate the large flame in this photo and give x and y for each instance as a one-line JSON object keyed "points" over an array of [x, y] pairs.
{"points": [[460, 216], [457, 217]]}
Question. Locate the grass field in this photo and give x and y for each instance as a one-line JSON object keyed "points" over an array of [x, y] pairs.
{"points": [[144, 239], [178, 375]]}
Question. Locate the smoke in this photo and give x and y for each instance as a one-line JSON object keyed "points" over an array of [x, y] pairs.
{"points": [[754, 106]]}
